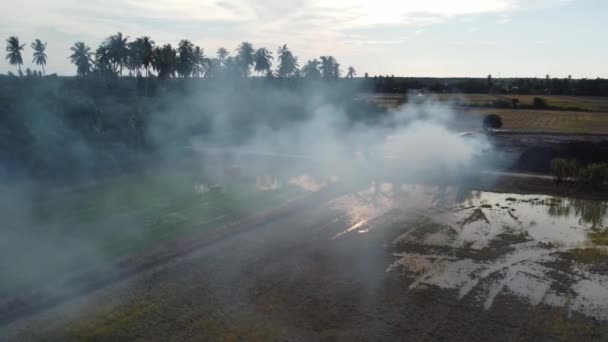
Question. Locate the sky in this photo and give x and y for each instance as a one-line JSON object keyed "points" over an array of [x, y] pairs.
{"points": [[435, 38]]}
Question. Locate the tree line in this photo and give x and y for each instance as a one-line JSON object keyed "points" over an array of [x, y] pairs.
{"points": [[141, 57]]}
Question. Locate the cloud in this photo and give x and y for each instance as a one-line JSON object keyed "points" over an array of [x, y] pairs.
{"points": [[310, 27]]}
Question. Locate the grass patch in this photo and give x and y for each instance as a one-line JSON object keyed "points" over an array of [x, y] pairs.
{"points": [[587, 255], [599, 237], [110, 325]]}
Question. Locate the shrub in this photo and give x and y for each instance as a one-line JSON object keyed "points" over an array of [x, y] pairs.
{"points": [[594, 175], [501, 103], [539, 102], [491, 122], [515, 102], [564, 169]]}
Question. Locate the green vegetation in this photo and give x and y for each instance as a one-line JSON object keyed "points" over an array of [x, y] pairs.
{"points": [[107, 324], [593, 176], [564, 169], [491, 122], [121, 216], [590, 255]]}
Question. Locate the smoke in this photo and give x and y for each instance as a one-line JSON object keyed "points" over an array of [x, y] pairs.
{"points": [[106, 143]]}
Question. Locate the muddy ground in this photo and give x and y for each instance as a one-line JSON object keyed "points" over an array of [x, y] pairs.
{"points": [[321, 273]]}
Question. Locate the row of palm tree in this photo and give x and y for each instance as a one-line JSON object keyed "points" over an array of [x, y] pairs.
{"points": [[14, 50], [138, 57]]}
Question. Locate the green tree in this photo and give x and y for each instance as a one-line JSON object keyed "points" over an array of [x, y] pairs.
{"points": [[200, 62], [222, 54], [113, 53], [146, 47], [164, 60], [263, 61], [330, 68], [288, 63], [492, 121], [351, 72], [185, 58], [14, 49], [245, 58], [81, 57], [311, 69], [103, 60], [39, 55]]}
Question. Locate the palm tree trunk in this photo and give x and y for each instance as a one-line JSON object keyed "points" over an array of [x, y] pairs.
{"points": [[43, 72]]}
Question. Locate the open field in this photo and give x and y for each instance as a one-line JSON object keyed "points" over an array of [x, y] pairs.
{"points": [[372, 264], [74, 228], [586, 103], [594, 121], [544, 120], [563, 102]]}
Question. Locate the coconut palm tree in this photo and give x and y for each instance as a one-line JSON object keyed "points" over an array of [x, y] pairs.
{"points": [[164, 60], [351, 72], [14, 48], [263, 61], [81, 57], [117, 51], [245, 57], [311, 69], [144, 49], [222, 54], [185, 58], [39, 55], [103, 60], [288, 63], [200, 62], [330, 68]]}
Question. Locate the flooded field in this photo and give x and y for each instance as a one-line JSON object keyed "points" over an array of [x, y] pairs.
{"points": [[386, 262], [54, 231], [543, 249]]}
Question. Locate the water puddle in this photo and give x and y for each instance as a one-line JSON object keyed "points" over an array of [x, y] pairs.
{"points": [[543, 249]]}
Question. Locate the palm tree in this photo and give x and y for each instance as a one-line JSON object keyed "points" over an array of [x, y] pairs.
{"points": [[351, 72], [263, 60], [245, 57], [81, 57], [103, 60], [200, 62], [164, 60], [145, 46], [185, 58], [222, 54], [133, 62], [288, 63], [311, 69], [117, 51], [14, 48], [39, 55], [330, 68]]}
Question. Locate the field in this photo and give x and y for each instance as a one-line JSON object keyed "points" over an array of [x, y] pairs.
{"points": [[552, 121], [584, 103], [470, 109], [368, 265], [74, 228]]}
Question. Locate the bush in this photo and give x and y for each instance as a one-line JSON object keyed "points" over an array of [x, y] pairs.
{"points": [[594, 175], [501, 103], [491, 122], [539, 102], [564, 169]]}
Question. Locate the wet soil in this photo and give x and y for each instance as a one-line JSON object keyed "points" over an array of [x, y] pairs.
{"points": [[290, 278]]}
